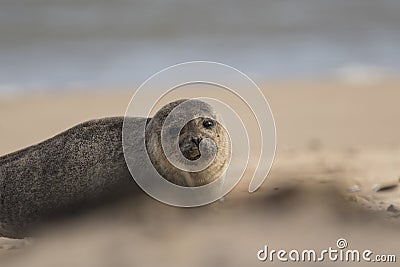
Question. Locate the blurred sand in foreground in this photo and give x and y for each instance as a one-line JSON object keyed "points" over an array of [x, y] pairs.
{"points": [[335, 175]]}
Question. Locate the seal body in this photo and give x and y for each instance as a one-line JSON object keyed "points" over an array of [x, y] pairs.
{"points": [[85, 166], [80, 167]]}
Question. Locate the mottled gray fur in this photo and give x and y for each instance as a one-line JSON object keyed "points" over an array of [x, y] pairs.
{"points": [[85, 166], [77, 168]]}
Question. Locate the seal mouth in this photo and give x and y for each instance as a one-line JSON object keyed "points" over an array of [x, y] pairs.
{"points": [[191, 152], [196, 155]]}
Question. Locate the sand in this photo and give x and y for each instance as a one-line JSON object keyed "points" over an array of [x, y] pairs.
{"points": [[335, 175]]}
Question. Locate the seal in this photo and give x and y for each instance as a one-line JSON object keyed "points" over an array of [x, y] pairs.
{"points": [[84, 167]]}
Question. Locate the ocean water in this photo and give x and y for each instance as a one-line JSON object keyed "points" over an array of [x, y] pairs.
{"points": [[59, 44]]}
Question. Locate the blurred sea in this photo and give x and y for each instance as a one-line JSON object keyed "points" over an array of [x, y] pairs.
{"points": [[59, 44]]}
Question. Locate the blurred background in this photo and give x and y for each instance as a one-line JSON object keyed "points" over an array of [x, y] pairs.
{"points": [[59, 44], [329, 69]]}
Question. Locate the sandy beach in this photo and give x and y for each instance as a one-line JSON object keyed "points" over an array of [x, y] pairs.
{"points": [[335, 175]]}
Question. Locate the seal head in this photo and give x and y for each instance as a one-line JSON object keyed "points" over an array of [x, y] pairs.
{"points": [[192, 142]]}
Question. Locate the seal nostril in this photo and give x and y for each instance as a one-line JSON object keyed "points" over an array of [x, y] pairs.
{"points": [[197, 140]]}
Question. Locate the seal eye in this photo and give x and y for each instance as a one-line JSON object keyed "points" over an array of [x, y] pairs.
{"points": [[208, 124]]}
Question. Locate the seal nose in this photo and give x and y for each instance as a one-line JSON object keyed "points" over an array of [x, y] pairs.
{"points": [[197, 140]]}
